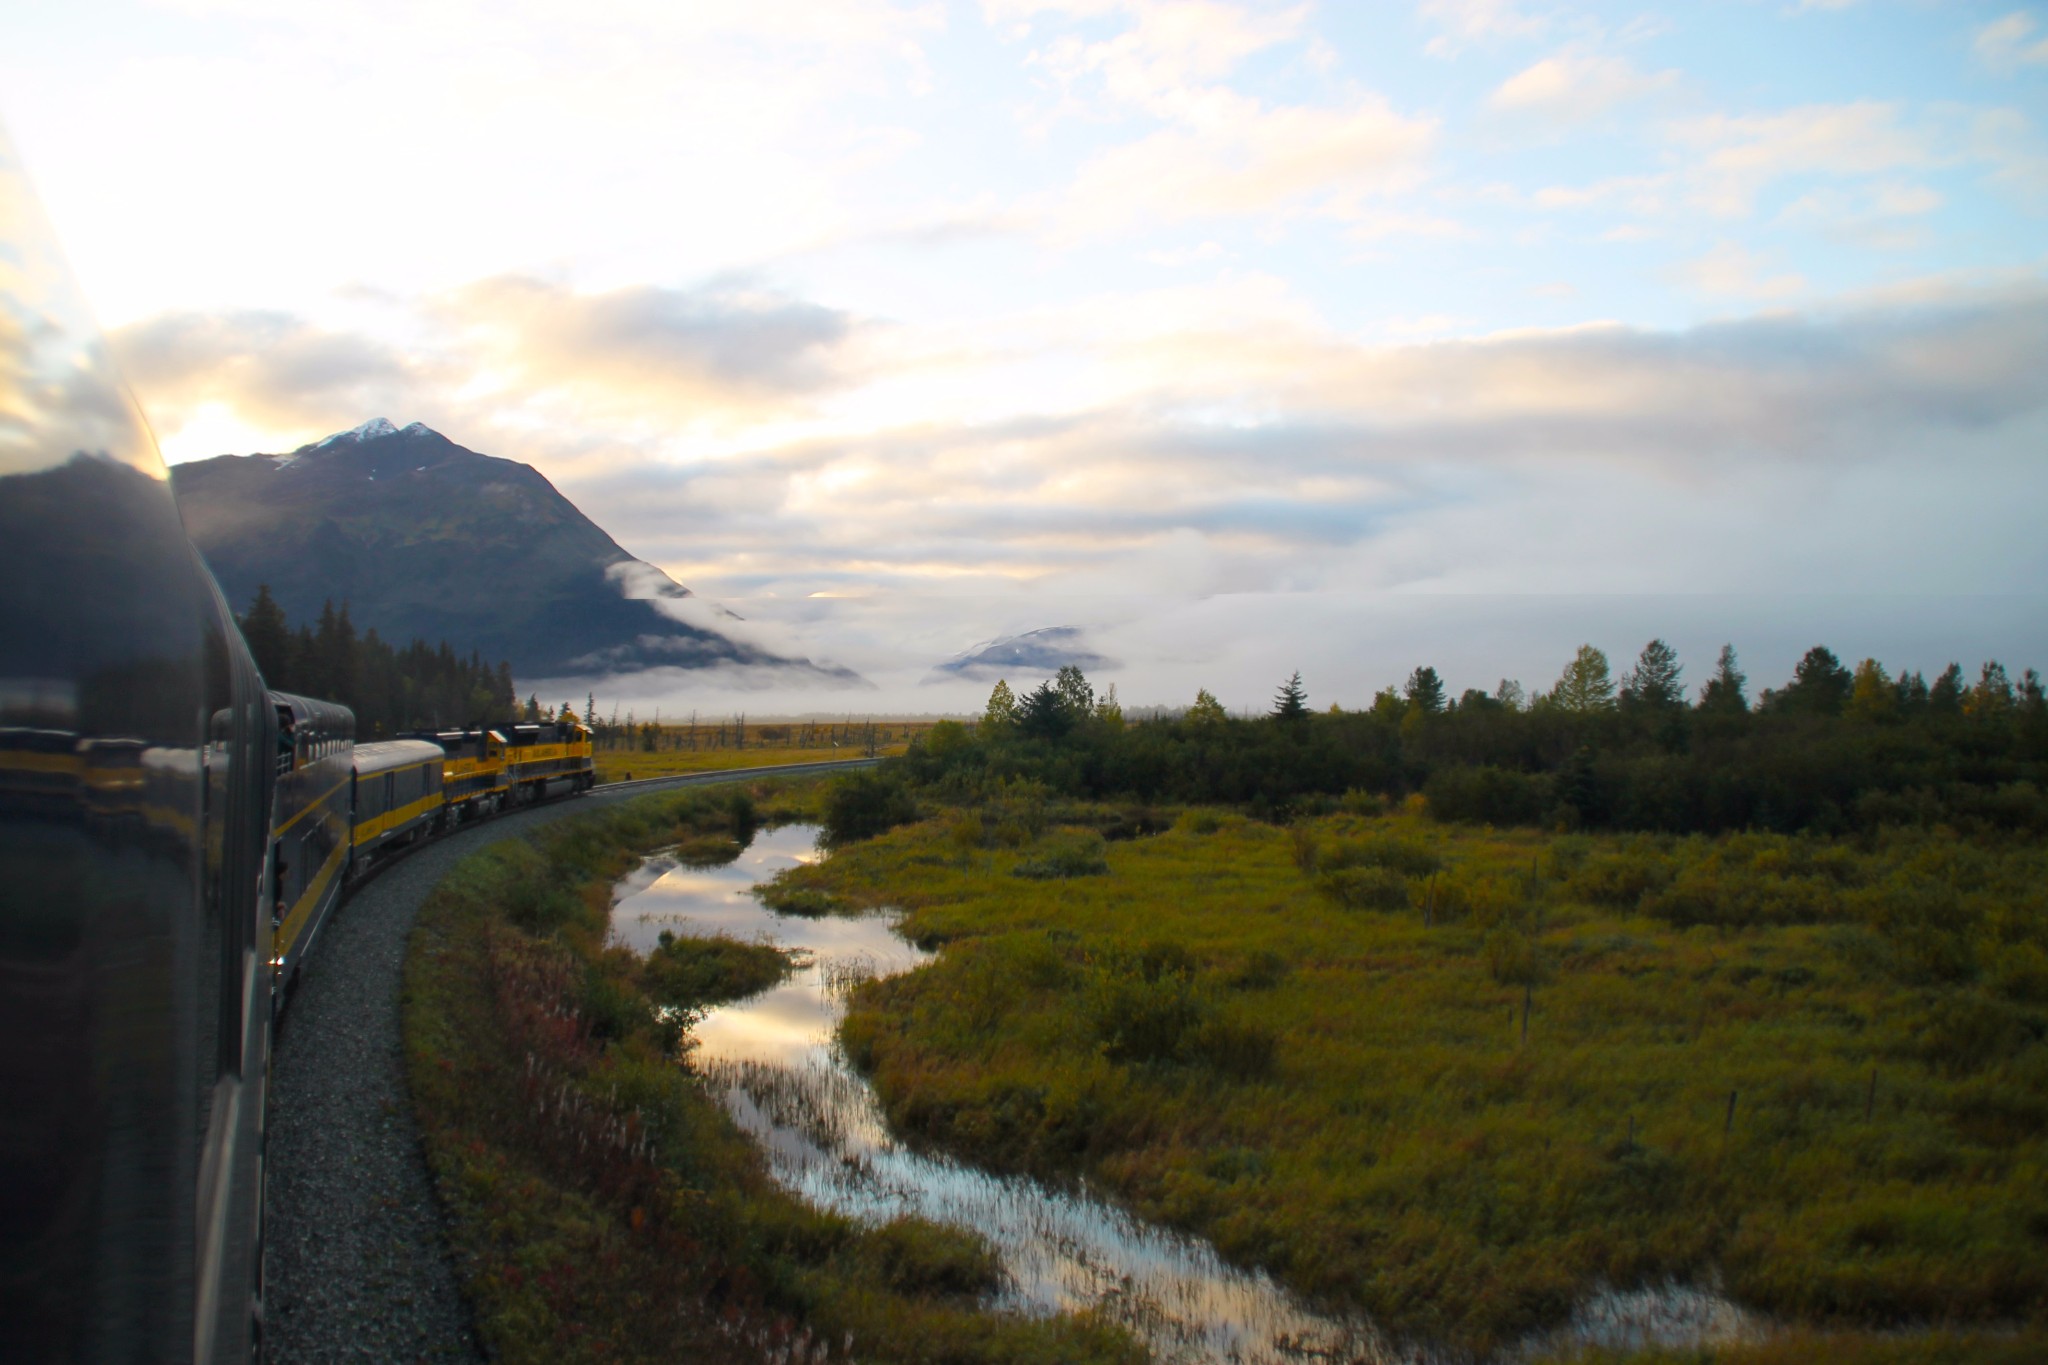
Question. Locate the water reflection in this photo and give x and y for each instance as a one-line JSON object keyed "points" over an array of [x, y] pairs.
{"points": [[773, 1060]]}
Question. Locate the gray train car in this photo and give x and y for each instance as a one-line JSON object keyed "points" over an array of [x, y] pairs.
{"points": [[309, 837], [397, 797]]}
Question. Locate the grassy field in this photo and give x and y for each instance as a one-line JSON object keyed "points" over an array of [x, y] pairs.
{"points": [[625, 765], [602, 1205], [1459, 1076]]}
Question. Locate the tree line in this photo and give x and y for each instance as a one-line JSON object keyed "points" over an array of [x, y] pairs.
{"points": [[1835, 748], [391, 689]]}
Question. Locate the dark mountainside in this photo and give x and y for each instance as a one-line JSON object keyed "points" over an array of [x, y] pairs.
{"points": [[425, 539]]}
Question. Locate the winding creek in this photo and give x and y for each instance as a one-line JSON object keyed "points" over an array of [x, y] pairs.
{"points": [[774, 1062]]}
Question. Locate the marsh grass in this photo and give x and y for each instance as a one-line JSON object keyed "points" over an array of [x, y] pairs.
{"points": [[603, 1206], [1814, 1068]]}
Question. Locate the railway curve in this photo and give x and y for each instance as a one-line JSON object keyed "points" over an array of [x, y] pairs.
{"points": [[358, 1265]]}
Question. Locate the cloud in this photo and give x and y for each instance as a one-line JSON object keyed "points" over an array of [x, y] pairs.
{"points": [[1230, 441], [1880, 217], [1467, 23], [1732, 271], [1170, 52], [1217, 151], [1235, 156], [276, 369], [2004, 44], [729, 343], [1379, 467], [1578, 87], [1741, 155]]}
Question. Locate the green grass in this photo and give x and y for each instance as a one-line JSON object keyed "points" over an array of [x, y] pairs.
{"points": [[1308, 1045], [623, 765], [603, 1207]]}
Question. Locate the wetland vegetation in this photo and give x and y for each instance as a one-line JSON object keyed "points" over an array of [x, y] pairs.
{"points": [[602, 1205], [1466, 1016], [1747, 996]]}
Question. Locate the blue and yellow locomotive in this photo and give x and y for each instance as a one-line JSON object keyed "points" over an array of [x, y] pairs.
{"points": [[343, 808]]}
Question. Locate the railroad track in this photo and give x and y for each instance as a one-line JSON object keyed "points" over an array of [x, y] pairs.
{"points": [[359, 1266]]}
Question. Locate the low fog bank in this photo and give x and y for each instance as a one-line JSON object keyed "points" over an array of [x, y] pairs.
{"points": [[1346, 646]]}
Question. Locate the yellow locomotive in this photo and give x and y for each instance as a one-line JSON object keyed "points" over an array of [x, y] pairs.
{"points": [[343, 807]]}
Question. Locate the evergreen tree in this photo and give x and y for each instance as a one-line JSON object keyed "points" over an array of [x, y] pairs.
{"points": [[269, 639], [1820, 684], [1724, 693], [1654, 683], [1045, 713], [1291, 702], [1912, 689], [390, 690], [1991, 698], [1425, 691], [1945, 696]]}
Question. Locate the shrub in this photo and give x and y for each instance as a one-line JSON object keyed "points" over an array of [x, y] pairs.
{"points": [[1487, 795], [1404, 856], [690, 972], [787, 898], [1136, 822], [1241, 1050], [1365, 888], [1136, 1018], [967, 832], [1075, 856], [862, 805], [912, 1256], [1619, 879], [1512, 957]]}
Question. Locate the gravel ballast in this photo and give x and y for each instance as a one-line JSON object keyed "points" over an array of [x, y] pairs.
{"points": [[358, 1266]]}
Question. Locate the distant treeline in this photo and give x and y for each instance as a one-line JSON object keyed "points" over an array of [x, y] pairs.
{"points": [[1833, 750], [391, 689]]}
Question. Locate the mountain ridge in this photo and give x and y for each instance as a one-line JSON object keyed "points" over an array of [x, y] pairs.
{"points": [[423, 537]]}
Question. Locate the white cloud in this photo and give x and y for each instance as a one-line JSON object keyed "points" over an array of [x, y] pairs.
{"points": [[2004, 44], [1465, 23], [1732, 271], [1881, 216], [1216, 151], [1578, 87], [1229, 155], [1741, 155]]}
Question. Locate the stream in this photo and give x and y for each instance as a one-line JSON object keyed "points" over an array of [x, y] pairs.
{"points": [[773, 1060]]}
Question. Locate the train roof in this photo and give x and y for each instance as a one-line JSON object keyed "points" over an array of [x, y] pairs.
{"points": [[329, 718], [387, 754]]}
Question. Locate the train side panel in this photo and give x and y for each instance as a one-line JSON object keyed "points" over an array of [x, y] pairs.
{"points": [[397, 796], [309, 837]]}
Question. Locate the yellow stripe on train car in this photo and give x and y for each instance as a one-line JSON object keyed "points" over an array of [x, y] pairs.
{"points": [[288, 933], [317, 803], [393, 819]]}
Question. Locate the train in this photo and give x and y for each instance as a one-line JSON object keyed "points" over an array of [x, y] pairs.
{"points": [[344, 808], [173, 836]]}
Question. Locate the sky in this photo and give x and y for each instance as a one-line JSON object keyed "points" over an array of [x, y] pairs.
{"points": [[1244, 337]]}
